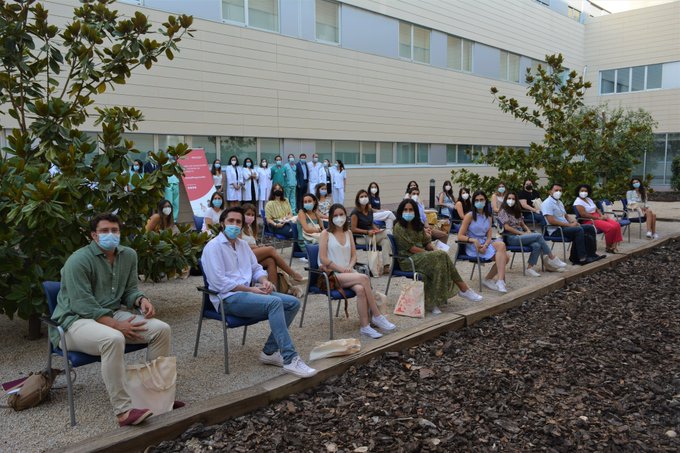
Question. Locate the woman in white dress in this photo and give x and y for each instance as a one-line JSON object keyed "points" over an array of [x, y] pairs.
{"points": [[339, 180], [219, 177], [264, 183], [250, 187], [234, 181]]}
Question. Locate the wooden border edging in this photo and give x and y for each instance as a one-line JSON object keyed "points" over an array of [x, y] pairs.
{"points": [[234, 404]]}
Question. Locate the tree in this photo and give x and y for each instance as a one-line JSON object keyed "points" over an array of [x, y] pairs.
{"points": [[675, 169], [581, 144], [52, 179]]}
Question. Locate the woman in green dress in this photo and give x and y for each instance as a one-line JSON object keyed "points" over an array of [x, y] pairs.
{"points": [[439, 273]]}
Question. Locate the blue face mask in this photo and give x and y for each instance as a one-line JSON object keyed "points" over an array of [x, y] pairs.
{"points": [[480, 204], [217, 202], [248, 164], [309, 206], [408, 216], [636, 185], [323, 192], [135, 167], [109, 241], [232, 231], [278, 163], [217, 166]]}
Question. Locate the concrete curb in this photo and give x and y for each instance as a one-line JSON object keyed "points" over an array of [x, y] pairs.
{"points": [[237, 403]]}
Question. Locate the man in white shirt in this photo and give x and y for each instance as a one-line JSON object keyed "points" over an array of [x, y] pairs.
{"points": [[584, 240], [314, 166], [230, 267]]}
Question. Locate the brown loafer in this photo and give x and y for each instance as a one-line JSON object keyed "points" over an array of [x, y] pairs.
{"points": [[178, 404], [135, 417]]}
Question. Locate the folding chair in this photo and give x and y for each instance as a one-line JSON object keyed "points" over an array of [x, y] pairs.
{"points": [[228, 321], [72, 359], [396, 270], [624, 222], [475, 260]]}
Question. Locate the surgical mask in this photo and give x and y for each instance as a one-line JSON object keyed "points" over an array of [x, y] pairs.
{"points": [[291, 159], [315, 159], [408, 216], [415, 198], [167, 211], [323, 192], [583, 194], [325, 164], [374, 190], [278, 193], [339, 220], [250, 219], [465, 196], [217, 166], [135, 167], [233, 162], [335, 165], [636, 185], [217, 202], [557, 195], [278, 163], [108, 241], [501, 190], [248, 164], [480, 204], [447, 188], [263, 164], [511, 203], [363, 201], [232, 231], [303, 160], [308, 206]]}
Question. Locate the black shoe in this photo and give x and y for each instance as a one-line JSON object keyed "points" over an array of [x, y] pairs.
{"points": [[597, 257], [578, 263], [590, 259]]}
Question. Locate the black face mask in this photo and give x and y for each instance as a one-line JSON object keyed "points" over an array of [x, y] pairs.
{"points": [[529, 187], [278, 193]]}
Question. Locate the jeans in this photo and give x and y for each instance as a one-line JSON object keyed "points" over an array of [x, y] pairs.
{"points": [[533, 240], [531, 218], [286, 230], [279, 308], [584, 241]]}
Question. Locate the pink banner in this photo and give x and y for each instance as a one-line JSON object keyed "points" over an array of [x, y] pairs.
{"points": [[197, 180]]}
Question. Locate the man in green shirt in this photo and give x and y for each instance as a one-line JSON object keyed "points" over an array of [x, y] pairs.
{"points": [[98, 292]]}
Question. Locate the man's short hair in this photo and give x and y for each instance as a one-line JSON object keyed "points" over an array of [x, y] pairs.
{"points": [[103, 216], [238, 209], [552, 186]]}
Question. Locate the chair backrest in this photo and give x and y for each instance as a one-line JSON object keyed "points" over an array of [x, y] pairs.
{"points": [[51, 291], [207, 303], [198, 223], [395, 251], [313, 257]]}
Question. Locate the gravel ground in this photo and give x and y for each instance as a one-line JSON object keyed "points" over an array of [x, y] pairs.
{"points": [[199, 378], [590, 367]]}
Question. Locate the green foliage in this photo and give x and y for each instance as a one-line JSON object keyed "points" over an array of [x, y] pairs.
{"points": [[675, 169], [48, 83], [581, 144]]}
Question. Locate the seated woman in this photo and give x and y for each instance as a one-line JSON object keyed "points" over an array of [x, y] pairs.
{"points": [[378, 214], [414, 194], [337, 254], [527, 200], [497, 197], [446, 200], [325, 200], [409, 186], [212, 214], [510, 217], [476, 229], [440, 275], [637, 201], [588, 210], [266, 255], [279, 213], [137, 168], [309, 220], [464, 204], [362, 224], [163, 219]]}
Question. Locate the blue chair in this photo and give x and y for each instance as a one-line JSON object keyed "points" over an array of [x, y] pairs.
{"points": [[198, 223], [72, 359], [557, 239], [515, 249], [281, 241], [380, 224], [618, 215], [581, 220], [228, 321], [476, 261], [396, 270], [640, 219], [313, 287]]}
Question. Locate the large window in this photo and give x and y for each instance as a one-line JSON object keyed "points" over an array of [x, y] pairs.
{"points": [[209, 144], [234, 11], [327, 21], [607, 81], [404, 40], [451, 154], [654, 76], [509, 65], [414, 42], [240, 147], [324, 148], [623, 80], [262, 14], [423, 153], [269, 149], [626, 80], [637, 82], [347, 152], [368, 152], [406, 153], [165, 141], [459, 54], [386, 153]]}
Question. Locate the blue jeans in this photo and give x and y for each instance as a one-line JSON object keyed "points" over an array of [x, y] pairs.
{"points": [[534, 218], [533, 240], [279, 308]]}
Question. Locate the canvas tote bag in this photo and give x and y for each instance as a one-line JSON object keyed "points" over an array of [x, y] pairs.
{"points": [[152, 385], [375, 263], [411, 301]]}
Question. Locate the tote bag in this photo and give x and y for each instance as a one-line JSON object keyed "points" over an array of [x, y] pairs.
{"points": [[411, 301], [375, 263], [152, 385]]}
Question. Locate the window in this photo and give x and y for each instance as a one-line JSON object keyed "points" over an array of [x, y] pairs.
{"points": [[324, 148], [421, 44], [423, 153], [459, 54], [406, 153], [269, 149], [347, 152], [637, 82], [368, 152], [142, 143], [404, 40], [327, 21], [240, 147], [386, 155], [165, 141], [574, 14], [234, 10], [264, 14], [209, 144], [654, 72], [509, 65], [607, 81], [465, 154], [623, 80], [451, 151]]}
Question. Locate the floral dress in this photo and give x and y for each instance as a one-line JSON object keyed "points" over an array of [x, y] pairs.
{"points": [[440, 275]]}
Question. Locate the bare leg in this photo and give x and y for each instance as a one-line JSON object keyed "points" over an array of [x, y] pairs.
{"points": [[270, 266], [360, 284], [262, 253], [462, 286], [501, 259]]}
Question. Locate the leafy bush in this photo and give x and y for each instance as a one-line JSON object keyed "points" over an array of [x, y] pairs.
{"points": [[675, 178]]}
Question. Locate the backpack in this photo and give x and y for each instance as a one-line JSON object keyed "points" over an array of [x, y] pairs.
{"points": [[33, 391]]}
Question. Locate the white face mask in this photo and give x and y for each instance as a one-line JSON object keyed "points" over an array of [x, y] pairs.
{"points": [[557, 195], [339, 220], [465, 196], [511, 202], [363, 201], [414, 198], [167, 211], [583, 194], [374, 190]]}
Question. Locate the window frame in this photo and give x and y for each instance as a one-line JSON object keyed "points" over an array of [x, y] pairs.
{"points": [[339, 23], [246, 17], [412, 58]]}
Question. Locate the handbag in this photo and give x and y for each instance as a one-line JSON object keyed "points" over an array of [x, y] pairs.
{"points": [[152, 385], [312, 238], [333, 284], [31, 391], [335, 348], [411, 301], [375, 263]]}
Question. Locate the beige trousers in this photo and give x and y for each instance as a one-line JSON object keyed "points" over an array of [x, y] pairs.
{"points": [[91, 337]]}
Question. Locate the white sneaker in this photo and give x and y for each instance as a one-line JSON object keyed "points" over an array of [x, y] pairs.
{"points": [[490, 284], [649, 234], [556, 262], [532, 272], [470, 295], [370, 332], [501, 286], [655, 236], [275, 359], [436, 311], [303, 259], [382, 323], [299, 368]]}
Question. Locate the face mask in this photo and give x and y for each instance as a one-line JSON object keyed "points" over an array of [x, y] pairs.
{"points": [[308, 206], [325, 164], [335, 165], [303, 160], [135, 167], [408, 216], [232, 231], [291, 159], [529, 187], [636, 185], [167, 211], [447, 188], [414, 198], [217, 202], [501, 190], [278, 163], [250, 219], [465, 196], [511, 203], [557, 195], [315, 159], [583, 194], [278, 193], [248, 164], [233, 162], [263, 164], [323, 192], [480, 204], [374, 190], [363, 201], [218, 166], [109, 241], [339, 220]]}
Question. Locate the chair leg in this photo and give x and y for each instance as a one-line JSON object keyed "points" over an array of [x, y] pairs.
{"points": [[226, 348], [304, 306], [479, 271], [69, 383], [245, 332], [512, 261], [524, 264], [330, 316], [198, 332], [564, 251], [389, 279]]}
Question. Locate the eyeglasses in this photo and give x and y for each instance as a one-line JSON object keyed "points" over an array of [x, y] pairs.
{"points": [[109, 230]]}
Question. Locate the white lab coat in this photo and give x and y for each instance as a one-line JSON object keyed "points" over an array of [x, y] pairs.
{"points": [[247, 194], [314, 176], [264, 183], [234, 182]]}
